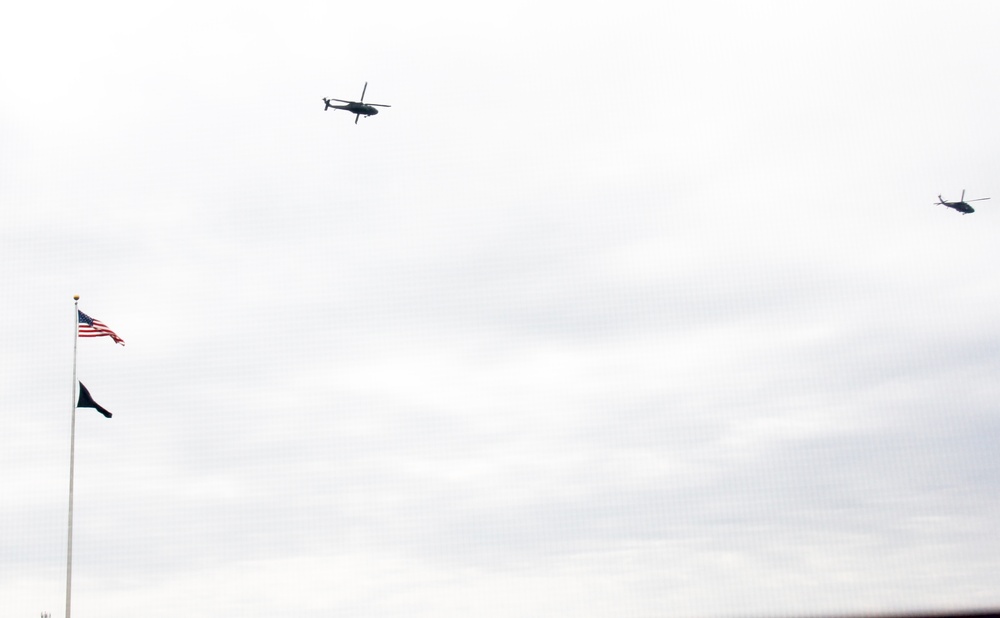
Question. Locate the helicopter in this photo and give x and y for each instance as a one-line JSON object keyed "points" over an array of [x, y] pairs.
{"points": [[961, 205], [358, 108]]}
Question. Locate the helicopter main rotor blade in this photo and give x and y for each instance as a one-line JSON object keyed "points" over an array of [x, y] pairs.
{"points": [[962, 199], [342, 100], [378, 104], [979, 199], [356, 118], [363, 90]]}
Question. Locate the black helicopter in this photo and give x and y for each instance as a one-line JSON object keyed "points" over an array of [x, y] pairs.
{"points": [[358, 108], [961, 205]]}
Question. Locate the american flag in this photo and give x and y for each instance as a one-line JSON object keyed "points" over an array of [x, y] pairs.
{"points": [[89, 327]]}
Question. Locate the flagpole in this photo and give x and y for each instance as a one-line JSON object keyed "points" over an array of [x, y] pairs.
{"points": [[72, 453]]}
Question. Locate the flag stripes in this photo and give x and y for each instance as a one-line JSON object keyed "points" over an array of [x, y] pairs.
{"points": [[89, 327]]}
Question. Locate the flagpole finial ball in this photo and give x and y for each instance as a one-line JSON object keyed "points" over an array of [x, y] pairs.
{"points": [[76, 297]]}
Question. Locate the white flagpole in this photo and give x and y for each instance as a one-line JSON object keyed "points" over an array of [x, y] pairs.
{"points": [[72, 453]]}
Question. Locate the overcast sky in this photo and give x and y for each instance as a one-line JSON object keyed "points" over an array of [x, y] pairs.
{"points": [[622, 309]]}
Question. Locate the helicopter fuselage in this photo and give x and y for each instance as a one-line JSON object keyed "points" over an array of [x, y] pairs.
{"points": [[961, 207], [357, 108]]}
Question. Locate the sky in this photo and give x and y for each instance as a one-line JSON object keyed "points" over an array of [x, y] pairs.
{"points": [[633, 310]]}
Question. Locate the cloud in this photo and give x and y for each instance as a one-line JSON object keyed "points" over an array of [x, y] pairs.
{"points": [[653, 316]]}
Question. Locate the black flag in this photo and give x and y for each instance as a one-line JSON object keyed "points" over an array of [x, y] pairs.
{"points": [[86, 401]]}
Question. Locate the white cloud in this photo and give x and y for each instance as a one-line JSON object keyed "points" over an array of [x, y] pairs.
{"points": [[613, 312]]}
